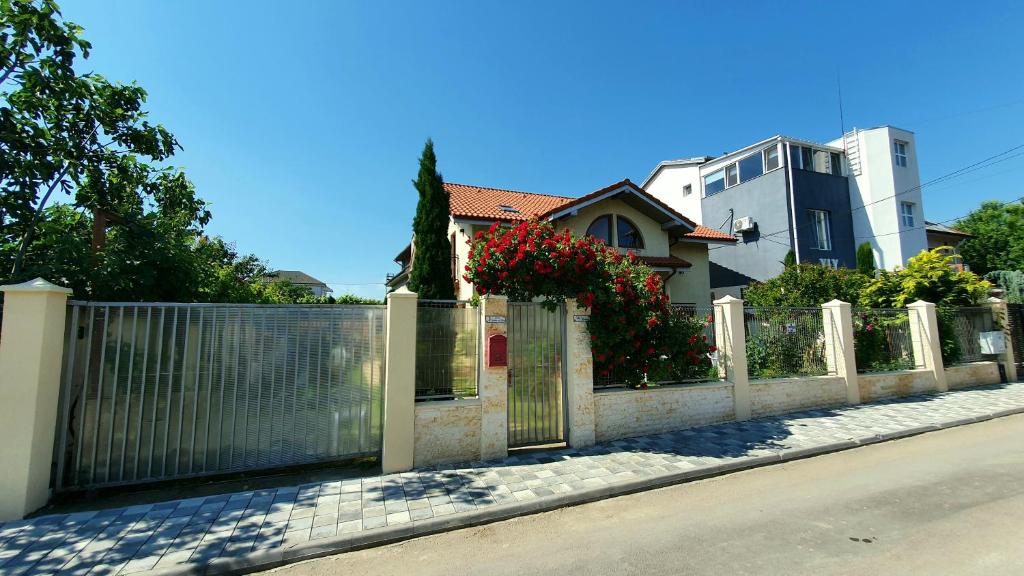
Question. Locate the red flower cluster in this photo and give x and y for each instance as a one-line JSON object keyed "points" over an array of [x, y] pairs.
{"points": [[629, 313]]}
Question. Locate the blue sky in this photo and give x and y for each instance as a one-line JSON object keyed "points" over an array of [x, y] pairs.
{"points": [[302, 122]]}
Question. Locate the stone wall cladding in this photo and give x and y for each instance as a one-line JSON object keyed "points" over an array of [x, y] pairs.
{"points": [[447, 432], [895, 384], [782, 395], [627, 413], [975, 374]]}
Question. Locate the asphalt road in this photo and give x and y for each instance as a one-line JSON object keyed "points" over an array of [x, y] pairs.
{"points": [[948, 502]]}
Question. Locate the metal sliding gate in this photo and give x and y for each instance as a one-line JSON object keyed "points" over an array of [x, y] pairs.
{"points": [[162, 391], [1015, 319], [536, 403]]}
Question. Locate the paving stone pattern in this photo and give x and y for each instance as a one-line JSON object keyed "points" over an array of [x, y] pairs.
{"points": [[197, 530]]}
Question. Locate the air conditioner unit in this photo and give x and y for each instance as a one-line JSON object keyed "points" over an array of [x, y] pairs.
{"points": [[745, 224]]}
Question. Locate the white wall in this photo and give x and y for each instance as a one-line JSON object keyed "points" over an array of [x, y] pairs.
{"points": [[667, 185], [881, 187]]}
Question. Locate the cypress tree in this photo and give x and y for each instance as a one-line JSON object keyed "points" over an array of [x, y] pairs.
{"points": [[866, 260], [431, 275], [789, 260]]}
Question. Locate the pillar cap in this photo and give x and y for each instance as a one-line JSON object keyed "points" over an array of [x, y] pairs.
{"points": [[37, 285], [921, 304], [727, 299], [837, 303], [994, 300], [402, 292], [494, 297]]}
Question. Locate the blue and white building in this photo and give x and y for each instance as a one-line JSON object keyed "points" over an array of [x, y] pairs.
{"points": [[820, 200]]}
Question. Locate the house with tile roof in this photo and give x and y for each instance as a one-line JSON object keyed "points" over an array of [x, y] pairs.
{"points": [[624, 215]]}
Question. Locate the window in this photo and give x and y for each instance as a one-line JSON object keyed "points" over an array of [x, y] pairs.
{"points": [[900, 149], [907, 214], [714, 183], [751, 167], [771, 158], [821, 233], [806, 158], [820, 162], [834, 160], [687, 190], [732, 175], [627, 235], [601, 229]]}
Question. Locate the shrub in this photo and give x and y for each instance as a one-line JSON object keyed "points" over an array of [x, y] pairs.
{"points": [[631, 329], [806, 285]]}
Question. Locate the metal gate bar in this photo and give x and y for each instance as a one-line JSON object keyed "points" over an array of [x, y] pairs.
{"points": [[163, 391], [536, 408]]}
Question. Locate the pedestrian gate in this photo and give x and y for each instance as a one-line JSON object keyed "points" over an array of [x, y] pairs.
{"points": [[536, 402], [161, 391]]}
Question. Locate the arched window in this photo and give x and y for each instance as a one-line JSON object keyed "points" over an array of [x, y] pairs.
{"points": [[628, 235], [601, 229]]}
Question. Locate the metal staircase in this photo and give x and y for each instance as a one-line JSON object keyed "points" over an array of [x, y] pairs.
{"points": [[851, 143]]}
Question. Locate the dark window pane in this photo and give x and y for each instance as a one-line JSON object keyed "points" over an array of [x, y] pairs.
{"points": [[771, 158], [807, 158], [751, 167], [714, 183], [601, 229], [628, 235], [837, 169]]}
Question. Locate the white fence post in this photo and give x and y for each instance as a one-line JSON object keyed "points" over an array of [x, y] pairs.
{"points": [[580, 376], [730, 336], [398, 437], [1001, 317], [924, 335], [493, 385], [31, 351], [839, 349]]}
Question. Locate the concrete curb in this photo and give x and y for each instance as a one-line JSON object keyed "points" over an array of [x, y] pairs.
{"points": [[279, 556]]}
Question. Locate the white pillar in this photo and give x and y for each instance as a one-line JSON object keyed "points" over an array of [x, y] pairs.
{"points": [[1001, 317], [730, 337], [493, 385], [924, 335], [580, 376], [399, 440], [839, 350], [31, 353]]}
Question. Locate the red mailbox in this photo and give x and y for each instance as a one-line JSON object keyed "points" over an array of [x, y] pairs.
{"points": [[497, 350]]}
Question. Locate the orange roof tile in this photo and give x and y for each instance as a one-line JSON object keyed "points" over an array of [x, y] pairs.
{"points": [[705, 233], [486, 204], [479, 202]]}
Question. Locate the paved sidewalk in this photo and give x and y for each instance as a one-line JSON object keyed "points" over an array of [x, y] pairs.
{"points": [[274, 526]]}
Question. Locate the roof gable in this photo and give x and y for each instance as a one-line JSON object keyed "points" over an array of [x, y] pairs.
{"points": [[490, 204]]}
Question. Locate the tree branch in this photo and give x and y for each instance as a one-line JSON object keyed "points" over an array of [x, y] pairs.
{"points": [[19, 259]]}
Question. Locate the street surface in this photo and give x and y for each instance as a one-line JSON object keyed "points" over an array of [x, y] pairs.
{"points": [[947, 502]]}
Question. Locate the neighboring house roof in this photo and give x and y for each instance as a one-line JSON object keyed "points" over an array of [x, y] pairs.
{"points": [[937, 228], [695, 161], [477, 202], [295, 277], [664, 261]]}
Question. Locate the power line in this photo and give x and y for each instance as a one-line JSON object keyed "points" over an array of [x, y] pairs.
{"points": [[1002, 204], [991, 161]]}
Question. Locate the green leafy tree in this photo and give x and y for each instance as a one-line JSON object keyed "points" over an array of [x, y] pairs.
{"points": [[431, 275], [1012, 283], [789, 259], [80, 134], [866, 259], [997, 241], [929, 276], [806, 285]]}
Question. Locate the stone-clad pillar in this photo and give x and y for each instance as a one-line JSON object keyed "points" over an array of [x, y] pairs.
{"points": [[31, 353], [839, 351], [398, 442], [493, 385], [1001, 317], [924, 335], [579, 372], [730, 337]]}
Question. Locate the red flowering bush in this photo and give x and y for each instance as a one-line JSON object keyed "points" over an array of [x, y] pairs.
{"points": [[629, 313]]}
